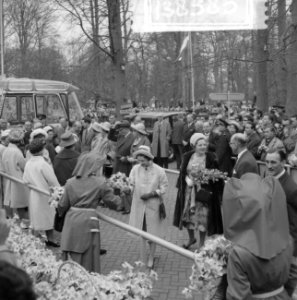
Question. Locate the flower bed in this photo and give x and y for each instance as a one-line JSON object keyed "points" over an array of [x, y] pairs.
{"points": [[56, 280], [210, 265]]}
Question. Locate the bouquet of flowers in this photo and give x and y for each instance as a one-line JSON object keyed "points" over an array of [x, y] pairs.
{"points": [[57, 280], [210, 265], [56, 194], [120, 182], [204, 176]]}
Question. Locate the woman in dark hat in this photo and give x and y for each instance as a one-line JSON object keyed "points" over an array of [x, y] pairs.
{"points": [[81, 232], [65, 161]]}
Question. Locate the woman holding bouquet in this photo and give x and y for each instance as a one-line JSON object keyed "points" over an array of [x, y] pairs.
{"points": [[198, 203]]}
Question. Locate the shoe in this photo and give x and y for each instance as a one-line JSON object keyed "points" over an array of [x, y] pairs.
{"points": [[125, 212], [52, 244], [187, 246], [103, 251]]}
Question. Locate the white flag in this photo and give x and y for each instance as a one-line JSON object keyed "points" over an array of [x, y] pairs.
{"points": [[183, 47]]}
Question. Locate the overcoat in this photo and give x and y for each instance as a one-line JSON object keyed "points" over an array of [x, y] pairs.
{"points": [[64, 164], [122, 149], [162, 133], [16, 194], [145, 181], [86, 139], [39, 173], [215, 225]]}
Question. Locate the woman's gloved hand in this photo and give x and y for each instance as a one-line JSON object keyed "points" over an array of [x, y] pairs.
{"points": [[189, 181], [150, 195]]}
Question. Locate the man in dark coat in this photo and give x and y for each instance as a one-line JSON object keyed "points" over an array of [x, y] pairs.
{"points": [[65, 161], [275, 162], [87, 135], [123, 148], [253, 138], [189, 130], [219, 143], [246, 162], [177, 139]]}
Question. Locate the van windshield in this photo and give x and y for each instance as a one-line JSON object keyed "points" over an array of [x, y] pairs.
{"points": [[50, 106]]}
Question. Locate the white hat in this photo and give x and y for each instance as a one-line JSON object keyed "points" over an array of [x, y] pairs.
{"points": [[196, 137], [5, 133], [36, 132], [145, 151], [48, 128], [139, 128], [96, 127], [105, 126]]}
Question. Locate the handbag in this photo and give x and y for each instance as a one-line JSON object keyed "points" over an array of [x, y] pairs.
{"points": [[59, 221], [162, 211]]}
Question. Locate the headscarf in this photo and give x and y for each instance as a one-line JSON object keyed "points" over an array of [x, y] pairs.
{"points": [[255, 215], [87, 165]]}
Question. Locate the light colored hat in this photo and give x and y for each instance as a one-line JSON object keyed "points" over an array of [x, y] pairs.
{"points": [[16, 135], [36, 132], [236, 124], [67, 139], [139, 128], [96, 127], [105, 126], [48, 128], [5, 133], [145, 151], [196, 137]]}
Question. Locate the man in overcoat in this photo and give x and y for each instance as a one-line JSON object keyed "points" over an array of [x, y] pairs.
{"points": [[245, 162], [160, 143], [123, 148], [87, 135]]}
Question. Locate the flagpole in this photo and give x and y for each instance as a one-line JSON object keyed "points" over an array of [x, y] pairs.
{"points": [[192, 71], [2, 38]]}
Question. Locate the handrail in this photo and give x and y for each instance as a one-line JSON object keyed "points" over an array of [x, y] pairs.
{"points": [[122, 225]]}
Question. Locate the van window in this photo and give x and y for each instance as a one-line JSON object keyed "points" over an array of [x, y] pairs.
{"points": [[27, 105], [50, 105], [9, 111]]}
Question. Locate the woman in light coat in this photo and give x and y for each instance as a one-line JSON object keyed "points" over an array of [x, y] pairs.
{"points": [[40, 173], [150, 184], [16, 194]]}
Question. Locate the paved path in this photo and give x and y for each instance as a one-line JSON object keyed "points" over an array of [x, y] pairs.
{"points": [[173, 269]]}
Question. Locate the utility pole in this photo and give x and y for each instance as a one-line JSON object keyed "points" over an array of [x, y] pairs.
{"points": [[2, 38]]}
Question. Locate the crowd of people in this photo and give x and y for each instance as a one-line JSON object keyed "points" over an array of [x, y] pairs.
{"points": [[79, 155]]}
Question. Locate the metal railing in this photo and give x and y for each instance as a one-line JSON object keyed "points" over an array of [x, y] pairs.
{"points": [[147, 236]]}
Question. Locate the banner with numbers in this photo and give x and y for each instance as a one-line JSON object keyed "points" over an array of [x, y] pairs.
{"points": [[198, 15]]}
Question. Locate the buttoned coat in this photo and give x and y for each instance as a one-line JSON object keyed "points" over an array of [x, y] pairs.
{"points": [[163, 136], [147, 180], [40, 174], [16, 194]]}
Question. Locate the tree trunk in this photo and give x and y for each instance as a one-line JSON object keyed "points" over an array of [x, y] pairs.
{"points": [[291, 106], [262, 57], [281, 61], [116, 49]]}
